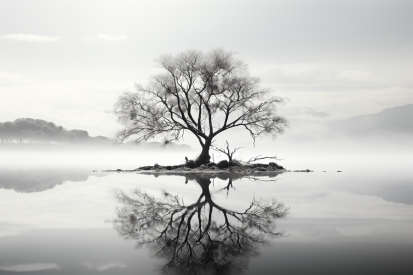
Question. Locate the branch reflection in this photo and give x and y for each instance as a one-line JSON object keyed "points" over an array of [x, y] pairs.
{"points": [[189, 236]]}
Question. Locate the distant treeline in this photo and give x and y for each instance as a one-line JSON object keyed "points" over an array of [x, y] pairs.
{"points": [[29, 130]]}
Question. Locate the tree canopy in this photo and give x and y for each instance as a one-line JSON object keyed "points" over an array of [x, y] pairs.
{"points": [[200, 93]]}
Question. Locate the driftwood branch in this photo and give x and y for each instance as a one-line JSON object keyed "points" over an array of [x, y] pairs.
{"points": [[259, 157]]}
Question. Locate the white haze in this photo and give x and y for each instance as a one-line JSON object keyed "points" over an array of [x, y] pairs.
{"points": [[68, 61]]}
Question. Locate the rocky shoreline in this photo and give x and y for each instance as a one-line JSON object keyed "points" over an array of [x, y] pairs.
{"points": [[220, 167]]}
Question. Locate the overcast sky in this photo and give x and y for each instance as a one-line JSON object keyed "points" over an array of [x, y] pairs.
{"points": [[68, 61]]}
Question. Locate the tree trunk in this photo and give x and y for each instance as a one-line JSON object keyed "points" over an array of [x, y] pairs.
{"points": [[204, 182], [204, 157]]}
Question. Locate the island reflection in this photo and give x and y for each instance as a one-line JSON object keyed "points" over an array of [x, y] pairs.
{"points": [[189, 237]]}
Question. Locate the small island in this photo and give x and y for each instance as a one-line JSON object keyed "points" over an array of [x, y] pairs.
{"points": [[234, 167]]}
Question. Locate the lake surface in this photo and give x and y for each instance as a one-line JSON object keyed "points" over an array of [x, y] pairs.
{"points": [[76, 221]]}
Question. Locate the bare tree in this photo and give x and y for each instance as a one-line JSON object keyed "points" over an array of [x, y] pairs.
{"points": [[201, 94], [227, 151], [188, 235]]}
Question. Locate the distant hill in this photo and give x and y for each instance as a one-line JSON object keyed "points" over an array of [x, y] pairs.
{"points": [[30, 131], [396, 120]]}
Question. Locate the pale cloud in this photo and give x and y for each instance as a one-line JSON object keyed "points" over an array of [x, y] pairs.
{"points": [[104, 266], [31, 38], [7, 79], [355, 76], [107, 37], [4, 76], [30, 267], [302, 74], [303, 111], [298, 74], [309, 73]]}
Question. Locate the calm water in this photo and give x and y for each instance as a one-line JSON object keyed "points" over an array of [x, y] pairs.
{"points": [[76, 221]]}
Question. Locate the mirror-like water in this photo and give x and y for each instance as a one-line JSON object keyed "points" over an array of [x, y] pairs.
{"points": [[76, 221]]}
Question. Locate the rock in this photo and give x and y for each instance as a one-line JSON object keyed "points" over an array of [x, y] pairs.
{"points": [[223, 164], [255, 165], [190, 164], [156, 166], [275, 165], [306, 171], [146, 168], [235, 163]]}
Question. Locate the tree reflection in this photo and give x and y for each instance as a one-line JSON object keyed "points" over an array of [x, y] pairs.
{"points": [[189, 237]]}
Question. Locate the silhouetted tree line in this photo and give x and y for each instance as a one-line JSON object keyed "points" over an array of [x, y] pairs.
{"points": [[29, 130]]}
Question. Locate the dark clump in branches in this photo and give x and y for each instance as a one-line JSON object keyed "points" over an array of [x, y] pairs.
{"points": [[190, 238], [202, 94]]}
